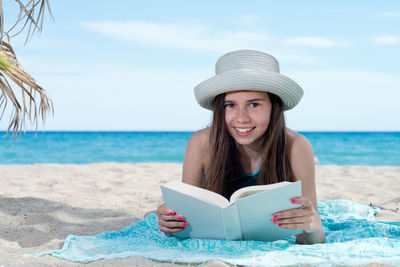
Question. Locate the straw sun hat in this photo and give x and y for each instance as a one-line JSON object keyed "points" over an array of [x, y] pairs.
{"points": [[248, 70]]}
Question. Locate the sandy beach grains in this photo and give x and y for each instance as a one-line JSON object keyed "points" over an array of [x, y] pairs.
{"points": [[41, 204]]}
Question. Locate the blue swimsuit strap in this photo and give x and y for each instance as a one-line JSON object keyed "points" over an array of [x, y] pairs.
{"points": [[255, 173]]}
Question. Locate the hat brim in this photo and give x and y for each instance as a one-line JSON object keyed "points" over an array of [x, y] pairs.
{"points": [[251, 80]]}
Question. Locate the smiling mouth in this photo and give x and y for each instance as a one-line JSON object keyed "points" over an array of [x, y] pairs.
{"points": [[244, 131]]}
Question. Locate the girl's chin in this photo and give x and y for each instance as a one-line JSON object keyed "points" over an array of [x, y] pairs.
{"points": [[244, 140], [249, 139]]}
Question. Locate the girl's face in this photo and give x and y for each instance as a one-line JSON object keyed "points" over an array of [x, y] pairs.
{"points": [[247, 115]]}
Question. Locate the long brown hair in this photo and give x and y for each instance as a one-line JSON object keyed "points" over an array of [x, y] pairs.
{"points": [[224, 165]]}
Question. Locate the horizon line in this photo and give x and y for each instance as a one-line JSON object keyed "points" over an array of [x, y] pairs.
{"points": [[186, 131]]}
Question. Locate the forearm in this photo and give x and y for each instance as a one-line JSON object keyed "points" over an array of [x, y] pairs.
{"points": [[315, 237]]}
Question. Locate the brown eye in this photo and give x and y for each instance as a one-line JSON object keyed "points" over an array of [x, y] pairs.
{"points": [[254, 105], [229, 105]]}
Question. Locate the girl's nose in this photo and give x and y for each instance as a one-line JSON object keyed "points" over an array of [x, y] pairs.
{"points": [[242, 115]]}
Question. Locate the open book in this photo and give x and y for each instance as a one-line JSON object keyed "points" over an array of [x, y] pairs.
{"points": [[246, 216]]}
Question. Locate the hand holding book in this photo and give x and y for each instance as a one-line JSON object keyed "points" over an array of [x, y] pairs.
{"points": [[305, 218], [299, 218], [169, 221]]}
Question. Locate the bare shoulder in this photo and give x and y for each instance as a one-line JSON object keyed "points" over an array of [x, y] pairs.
{"points": [[199, 143], [301, 155], [298, 144], [196, 157], [200, 138]]}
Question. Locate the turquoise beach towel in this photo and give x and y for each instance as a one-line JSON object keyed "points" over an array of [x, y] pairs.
{"points": [[352, 237]]}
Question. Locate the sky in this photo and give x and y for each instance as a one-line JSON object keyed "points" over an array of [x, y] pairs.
{"points": [[132, 65]]}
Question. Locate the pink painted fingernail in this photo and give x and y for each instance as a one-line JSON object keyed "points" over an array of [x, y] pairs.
{"points": [[275, 216], [185, 224], [180, 218], [280, 225], [171, 213], [273, 221], [293, 201]]}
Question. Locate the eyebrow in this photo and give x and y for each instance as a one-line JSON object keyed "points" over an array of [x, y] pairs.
{"points": [[250, 100]]}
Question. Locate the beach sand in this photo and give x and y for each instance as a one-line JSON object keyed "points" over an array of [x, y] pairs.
{"points": [[40, 205]]}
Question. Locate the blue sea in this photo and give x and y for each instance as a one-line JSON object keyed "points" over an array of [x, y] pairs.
{"points": [[339, 148]]}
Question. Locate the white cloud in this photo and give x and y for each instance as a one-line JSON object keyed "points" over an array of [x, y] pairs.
{"points": [[386, 39], [316, 42], [190, 37], [390, 14], [200, 38], [247, 19]]}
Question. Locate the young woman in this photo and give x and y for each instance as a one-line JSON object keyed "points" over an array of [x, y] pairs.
{"points": [[248, 142]]}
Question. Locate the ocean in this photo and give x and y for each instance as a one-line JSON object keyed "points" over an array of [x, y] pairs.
{"points": [[339, 148]]}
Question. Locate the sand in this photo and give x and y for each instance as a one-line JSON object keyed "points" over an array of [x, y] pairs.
{"points": [[40, 205]]}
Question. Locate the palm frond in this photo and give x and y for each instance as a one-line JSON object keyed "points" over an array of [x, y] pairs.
{"points": [[30, 107], [1, 20], [31, 15]]}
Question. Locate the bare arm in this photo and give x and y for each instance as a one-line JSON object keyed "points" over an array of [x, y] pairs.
{"points": [[306, 218], [194, 164], [193, 173], [302, 162]]}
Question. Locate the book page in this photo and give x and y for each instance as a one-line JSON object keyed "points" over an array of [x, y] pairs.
{"points": [[199, 193], [251, 190], [256, 211]]}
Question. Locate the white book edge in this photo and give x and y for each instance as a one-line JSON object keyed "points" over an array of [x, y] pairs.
{"points": [[254, 189], [199, 193], [215, 198]]}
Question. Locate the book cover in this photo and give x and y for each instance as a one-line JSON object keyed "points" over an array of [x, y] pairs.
{"points": [[210, 215]]}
